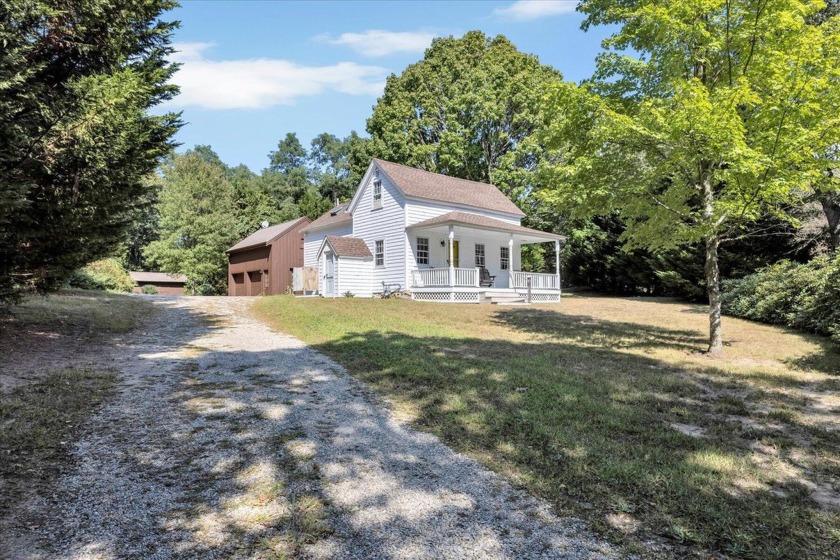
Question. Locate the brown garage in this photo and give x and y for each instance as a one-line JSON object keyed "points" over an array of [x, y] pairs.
{"points": [[262, 263], [168, 284]]}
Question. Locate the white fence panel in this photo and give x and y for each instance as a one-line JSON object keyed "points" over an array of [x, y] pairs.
{"points": [[432, 277], [538, 280], [466, 277]]}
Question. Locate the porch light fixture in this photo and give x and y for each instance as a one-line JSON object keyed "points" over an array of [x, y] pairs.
{"points": [[442, 243]]}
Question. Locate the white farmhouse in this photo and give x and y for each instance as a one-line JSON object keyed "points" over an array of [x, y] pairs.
{"points": [[437, 237]]}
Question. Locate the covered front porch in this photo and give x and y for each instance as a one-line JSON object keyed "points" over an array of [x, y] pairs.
{"points": [[466, 258]]}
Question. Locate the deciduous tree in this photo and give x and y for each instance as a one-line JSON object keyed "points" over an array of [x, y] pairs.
{"points": [[198, 220], [460, 110], [702, 118]]}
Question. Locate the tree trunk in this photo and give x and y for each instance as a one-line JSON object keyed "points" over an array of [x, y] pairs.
{"points": [[712, 269], [831, 208], [713, 289]]}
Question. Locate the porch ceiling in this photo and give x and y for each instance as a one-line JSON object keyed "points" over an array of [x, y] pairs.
{"points": [[463, 221]]}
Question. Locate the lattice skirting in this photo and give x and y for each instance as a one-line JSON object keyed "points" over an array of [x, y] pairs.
{"points": [[447, 297], [545, 298]]}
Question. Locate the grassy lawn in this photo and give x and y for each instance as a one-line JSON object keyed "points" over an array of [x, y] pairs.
{"points": [[607, 408]]}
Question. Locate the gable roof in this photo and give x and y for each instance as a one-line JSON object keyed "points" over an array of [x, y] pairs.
{"points": [[417, 183], [482, 222], [335, 216], [348, 247], [264, 236], [139, 276]]}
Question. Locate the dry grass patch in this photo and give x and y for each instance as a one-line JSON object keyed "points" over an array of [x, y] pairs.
{"points": [[64, 330], [78, 311], [52, 378], [38, 423], [608, 408]]}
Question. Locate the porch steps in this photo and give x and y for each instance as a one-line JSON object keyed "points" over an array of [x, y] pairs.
{"points": [[504, 298]]}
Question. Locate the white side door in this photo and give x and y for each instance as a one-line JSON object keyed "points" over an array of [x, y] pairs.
{"points": [[329, 277]]}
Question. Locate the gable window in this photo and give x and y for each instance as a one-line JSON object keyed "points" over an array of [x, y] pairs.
{"points": [[379, 253], [505, 254], [479, 255], [377, 192], [422, 250]]}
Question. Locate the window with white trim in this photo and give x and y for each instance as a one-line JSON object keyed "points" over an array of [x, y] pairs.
{"points": [[377, 192], [479, 255], [505, 258], [379, 253], [422, 250]]}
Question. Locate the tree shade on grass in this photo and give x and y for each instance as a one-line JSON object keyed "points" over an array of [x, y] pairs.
{"points": [[607, 408]]}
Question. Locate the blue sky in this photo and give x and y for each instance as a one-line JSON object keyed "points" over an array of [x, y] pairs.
{"points": [[254, 70]]}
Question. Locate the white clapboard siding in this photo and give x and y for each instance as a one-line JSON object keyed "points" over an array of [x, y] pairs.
{"points": [[312, 241], [355, 277], [386, 223], [418, 211]]}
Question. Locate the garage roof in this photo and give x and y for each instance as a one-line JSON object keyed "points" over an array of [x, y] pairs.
{"points": [[264, 236], [158, 277]]}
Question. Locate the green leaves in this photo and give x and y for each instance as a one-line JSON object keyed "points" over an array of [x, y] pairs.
{"points": [[76, 140], [462, 109], [727, 116], [740, 94], [199, 219]]}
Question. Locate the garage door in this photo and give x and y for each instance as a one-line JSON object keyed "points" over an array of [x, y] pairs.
{"points": [[255, 282], [239, 284]]}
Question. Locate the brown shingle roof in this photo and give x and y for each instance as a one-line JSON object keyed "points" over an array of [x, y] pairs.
{"points": [[483, 222], [416, 183], [335, 216], [157, 277], [264, 236], [349, 246]]}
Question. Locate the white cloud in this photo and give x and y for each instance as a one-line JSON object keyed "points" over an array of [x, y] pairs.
{"points": [[189, 51], [376, 42], [524, 10], [263, 82]]}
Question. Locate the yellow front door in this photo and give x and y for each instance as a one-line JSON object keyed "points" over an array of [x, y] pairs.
{"points": [[455, 258]]}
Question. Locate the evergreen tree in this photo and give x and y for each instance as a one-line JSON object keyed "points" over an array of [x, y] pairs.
{"points": [[77, 140]]}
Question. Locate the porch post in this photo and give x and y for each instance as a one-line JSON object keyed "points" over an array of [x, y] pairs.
{"points": [[510, 261], [557, 261], [451, 255]]}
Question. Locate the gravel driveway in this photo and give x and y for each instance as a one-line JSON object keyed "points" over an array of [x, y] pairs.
{"points": [[228, 440]]}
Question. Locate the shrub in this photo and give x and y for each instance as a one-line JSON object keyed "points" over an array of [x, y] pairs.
{"points": [[148, 289], [104, 274], [803, 296], [205, 290], [348, 294]]}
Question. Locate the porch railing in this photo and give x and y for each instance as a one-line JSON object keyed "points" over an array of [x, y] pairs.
{"points": [[538, 280], [433, 277]]}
